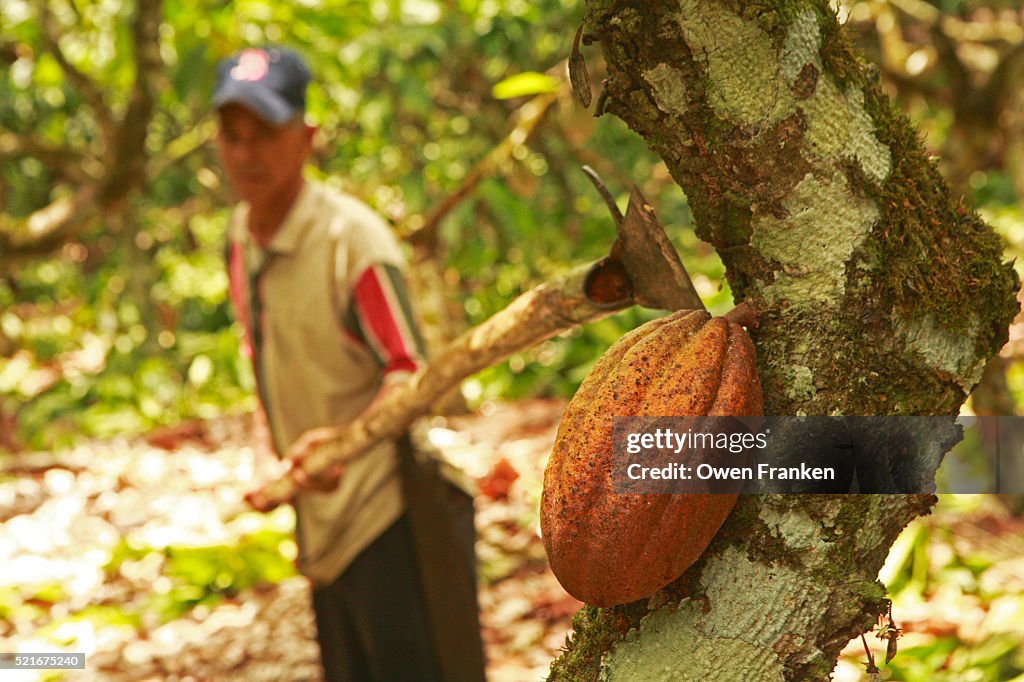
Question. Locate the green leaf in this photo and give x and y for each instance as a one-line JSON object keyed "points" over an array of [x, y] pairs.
{"points": [[523, 84]]}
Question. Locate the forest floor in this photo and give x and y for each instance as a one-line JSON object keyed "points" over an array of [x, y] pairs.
{"points": [[135, 552]]}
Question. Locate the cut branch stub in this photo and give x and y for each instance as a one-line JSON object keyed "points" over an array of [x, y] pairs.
{"points": [[608, 283]]}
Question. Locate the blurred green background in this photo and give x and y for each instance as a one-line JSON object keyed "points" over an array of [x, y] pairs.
{"points": [[119, 322], [115, 319]]}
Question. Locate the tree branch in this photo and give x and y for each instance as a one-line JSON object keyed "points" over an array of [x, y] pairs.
{"points": [[537, 315], [1004, 81], [180, 148], [125, 170], [642, 268], [63, 161], [86, 86], [959, 29], [47, 228], [956, 71], [124, 165], [525, 122]]}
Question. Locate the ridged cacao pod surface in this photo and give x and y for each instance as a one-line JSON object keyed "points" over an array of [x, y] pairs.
{"points": [[607, 548]]}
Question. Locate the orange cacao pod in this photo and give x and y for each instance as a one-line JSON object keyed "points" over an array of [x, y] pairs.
{"points": [[607, 548]]}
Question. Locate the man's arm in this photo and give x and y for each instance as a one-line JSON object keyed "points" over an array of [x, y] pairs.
{"points": [[380, 317]]}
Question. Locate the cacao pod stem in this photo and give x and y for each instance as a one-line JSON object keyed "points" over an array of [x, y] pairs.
{"points": [[743, 314]]}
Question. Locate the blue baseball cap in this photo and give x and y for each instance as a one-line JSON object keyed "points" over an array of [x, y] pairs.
{"points": [[271, 81]]}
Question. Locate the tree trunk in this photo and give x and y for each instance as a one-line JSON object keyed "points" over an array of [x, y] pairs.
{"points": [[878, 295]]}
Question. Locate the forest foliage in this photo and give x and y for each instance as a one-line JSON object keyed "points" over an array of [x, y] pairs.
{"points": [[121, 323], [115, 317]]}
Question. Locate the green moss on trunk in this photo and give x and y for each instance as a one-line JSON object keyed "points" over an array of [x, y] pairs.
{"points": [[820, 199], [878, 294]]}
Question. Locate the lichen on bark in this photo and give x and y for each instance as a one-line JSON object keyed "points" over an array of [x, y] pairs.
{"points": [[878, 294], [786, 584], [819, 198]]}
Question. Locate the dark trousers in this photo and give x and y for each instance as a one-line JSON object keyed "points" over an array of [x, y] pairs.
{"points": [[371, 621]]}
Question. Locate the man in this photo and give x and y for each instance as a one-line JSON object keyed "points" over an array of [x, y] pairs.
{"points": [[315, 279]]}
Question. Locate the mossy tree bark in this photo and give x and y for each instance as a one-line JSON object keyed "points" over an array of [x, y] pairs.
{"points": [[878, 294]]}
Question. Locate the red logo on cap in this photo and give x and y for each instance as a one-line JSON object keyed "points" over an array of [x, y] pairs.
{"points": [[253, 65]]}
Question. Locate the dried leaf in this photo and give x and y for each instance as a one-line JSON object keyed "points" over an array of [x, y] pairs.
{"points": [[578, 75], [890, 649], [497, 483]]}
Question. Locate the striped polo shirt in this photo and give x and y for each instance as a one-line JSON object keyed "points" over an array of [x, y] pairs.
{"points": [[327, 321]]}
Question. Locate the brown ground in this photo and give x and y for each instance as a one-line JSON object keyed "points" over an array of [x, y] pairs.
{"points": [[64, 515]]}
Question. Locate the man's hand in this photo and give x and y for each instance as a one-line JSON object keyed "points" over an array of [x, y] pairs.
{"points": [[267, 466], [309, 441], [292, 465], [294, 460], [300, 451]]}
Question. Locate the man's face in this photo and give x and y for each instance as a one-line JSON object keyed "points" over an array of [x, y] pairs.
{"points": [[263, 162]]}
